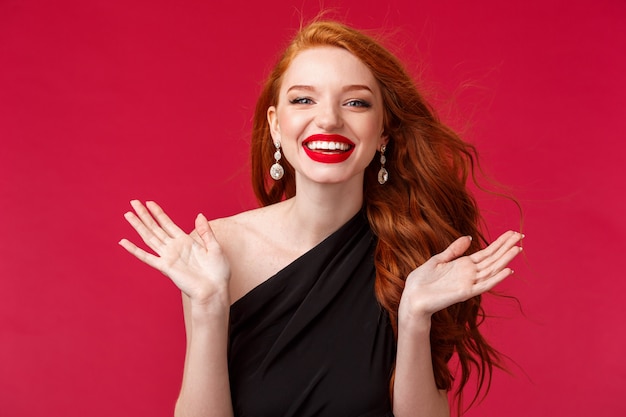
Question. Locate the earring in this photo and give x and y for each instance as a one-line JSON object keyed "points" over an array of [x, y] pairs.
{"points": [[276, 170], [383, 175]]}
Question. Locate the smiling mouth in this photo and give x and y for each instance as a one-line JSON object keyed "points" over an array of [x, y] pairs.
{"points": [[328, 149], [322, 145]]}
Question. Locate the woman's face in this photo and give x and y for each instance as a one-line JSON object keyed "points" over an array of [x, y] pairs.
{"points": [[329, 117]]}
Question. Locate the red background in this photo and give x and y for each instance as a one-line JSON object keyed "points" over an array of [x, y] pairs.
{"points": [[104, 101]]}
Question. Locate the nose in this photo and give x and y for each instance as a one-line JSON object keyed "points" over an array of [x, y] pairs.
{"points": [[328, 117]]}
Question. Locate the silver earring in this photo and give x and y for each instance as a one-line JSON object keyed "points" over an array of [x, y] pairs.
{"points": [[276, 170], [383, 175]]}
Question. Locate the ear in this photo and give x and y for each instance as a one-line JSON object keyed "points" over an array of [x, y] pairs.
{"points": [[384, 140], [272, 119]]}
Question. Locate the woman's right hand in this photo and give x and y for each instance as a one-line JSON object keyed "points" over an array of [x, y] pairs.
{"points": [[195, 263]]}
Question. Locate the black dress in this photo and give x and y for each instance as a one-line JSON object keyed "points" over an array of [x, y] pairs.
{"points": [[312, 340]]}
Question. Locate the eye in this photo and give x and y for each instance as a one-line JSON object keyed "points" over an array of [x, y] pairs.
{"points": [[358, 103], [301, 100]]}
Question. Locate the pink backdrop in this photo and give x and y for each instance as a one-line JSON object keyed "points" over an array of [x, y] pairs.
{"points": [[104, 101]]}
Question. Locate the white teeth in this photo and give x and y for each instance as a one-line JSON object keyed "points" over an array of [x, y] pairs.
{"points": [[327, 146]]}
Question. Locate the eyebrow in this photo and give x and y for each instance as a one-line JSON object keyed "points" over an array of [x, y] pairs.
{"points": [[352, 87]]}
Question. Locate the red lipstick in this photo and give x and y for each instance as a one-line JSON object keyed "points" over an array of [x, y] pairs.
{"points": [[334, 149]]}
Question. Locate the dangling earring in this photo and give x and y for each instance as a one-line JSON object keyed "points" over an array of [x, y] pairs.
{"points": [[276, 170], [383, 175]]}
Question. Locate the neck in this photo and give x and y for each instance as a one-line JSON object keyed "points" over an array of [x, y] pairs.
{"points": [[318, 210]]}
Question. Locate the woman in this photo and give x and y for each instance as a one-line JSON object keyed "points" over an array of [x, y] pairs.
{"points": [[349, 290]]}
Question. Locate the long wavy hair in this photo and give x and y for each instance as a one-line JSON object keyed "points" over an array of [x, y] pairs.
{"points": [[423, 207]]}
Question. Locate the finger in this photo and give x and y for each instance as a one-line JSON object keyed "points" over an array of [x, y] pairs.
{"points": [[487, 284], [498, 264], [140, 254], [144, 215], [491, 249], [504, 250], [204, 230], [147, 235], [196, 237], [164, 221], [455, 250], [504, 242]]}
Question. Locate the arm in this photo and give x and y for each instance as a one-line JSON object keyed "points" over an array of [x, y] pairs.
{"points": [[445, 279], [415, 392], [196, 264], [205, 388]]}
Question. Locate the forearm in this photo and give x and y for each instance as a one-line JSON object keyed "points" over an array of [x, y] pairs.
{"points": [[205, 388], [415, 390]]}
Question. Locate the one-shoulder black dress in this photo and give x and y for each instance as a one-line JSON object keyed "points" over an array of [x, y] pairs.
{"points": [[312, 340]]}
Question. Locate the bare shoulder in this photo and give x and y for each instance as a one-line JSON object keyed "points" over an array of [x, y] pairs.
{"points": [[242, 228], [248, 243]]}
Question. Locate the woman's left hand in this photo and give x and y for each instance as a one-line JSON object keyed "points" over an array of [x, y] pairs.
{"points": [[449, 277]]}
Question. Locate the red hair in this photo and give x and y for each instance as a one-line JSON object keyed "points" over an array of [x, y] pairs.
{"points": [[423, 207]]}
